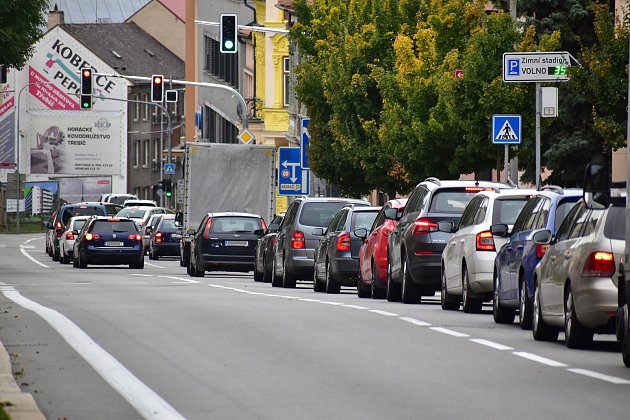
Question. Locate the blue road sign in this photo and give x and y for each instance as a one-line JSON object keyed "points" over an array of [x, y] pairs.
{"points": [[292, 179], [514, 67], [305, 139], [169, 169], [506, 129]]}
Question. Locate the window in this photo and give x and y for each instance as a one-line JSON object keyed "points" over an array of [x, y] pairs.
{"points": [[525, 219], [563, 208], [380, 219], [412, 202], [145, 107], [223, 66], [567, 223], [136, 108], [468, 216], [156, 150], [136, 153], [287, 79], [507, 210], [338, 222], [145, 153], [593, 218], [481, 213], [580, 220]]}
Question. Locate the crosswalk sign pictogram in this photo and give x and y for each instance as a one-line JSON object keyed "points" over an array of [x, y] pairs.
{"points": [[506, 129]]}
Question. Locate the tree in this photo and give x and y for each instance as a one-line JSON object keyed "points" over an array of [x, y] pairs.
{"points": [[20, 27]]}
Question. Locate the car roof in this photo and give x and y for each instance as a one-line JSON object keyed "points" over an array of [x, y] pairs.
{"points": [[553, 191], [515, 192], [228, 213], [84, 203], [397, 202], [366, 209], [333, 199]]}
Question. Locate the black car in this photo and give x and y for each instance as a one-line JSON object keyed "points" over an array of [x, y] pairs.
{"points": [[415, 246], [264, 251], [337, 253], [225, 242], [110, 241], [165, 238], [58, 226]]}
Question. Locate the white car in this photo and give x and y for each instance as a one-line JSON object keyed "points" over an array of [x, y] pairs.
{"points": [[66, 241], [468, 258], [142, 214]]}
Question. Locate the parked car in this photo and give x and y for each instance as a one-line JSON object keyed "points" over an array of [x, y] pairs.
{"points": [[50, 234], [295, 246], [264, 251], [110, 241], [373, 253], [148, 228], [415, 245], [66, 242], [468, 258], [165, 237], [67, 211], [225, 242], [517, 259], [117, 198], [336, 256], [576, 281], [141, 215]]}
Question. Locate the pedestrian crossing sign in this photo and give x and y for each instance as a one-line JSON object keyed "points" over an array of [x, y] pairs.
{"points": [[506, 129]]}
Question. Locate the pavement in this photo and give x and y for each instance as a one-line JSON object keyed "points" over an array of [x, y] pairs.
{"points": [[18, 404]]}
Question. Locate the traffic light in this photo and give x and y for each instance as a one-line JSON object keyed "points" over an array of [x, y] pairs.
{"points": [[229, 31], [161, 183], [3, 73], [157, 88], [168, 188], [86, 88]]}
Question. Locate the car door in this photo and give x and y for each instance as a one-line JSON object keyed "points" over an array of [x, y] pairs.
{"points": [[367, 249], [408, 218], [329, 242], [284, 235]]}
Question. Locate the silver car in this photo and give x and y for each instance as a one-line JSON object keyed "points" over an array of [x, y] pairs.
{"points": [[66, 241], [576, 281]]}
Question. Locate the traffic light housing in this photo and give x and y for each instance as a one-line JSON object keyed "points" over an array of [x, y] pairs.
{"points": [[3, 73], [229, 31], [168, 191], [157, 88], [86, 88]]}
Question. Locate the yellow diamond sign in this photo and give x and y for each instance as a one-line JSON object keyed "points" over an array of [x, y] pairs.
{"points": [[245, 136]]}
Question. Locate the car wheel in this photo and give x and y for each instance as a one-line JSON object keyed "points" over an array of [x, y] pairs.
{"points": [[500, 313], [156, 256], [82, 259], [288, 279], [625, 341], [276, 281], [332, 287], [75, 261], [138, 264], [410, 292], [56, 254], [470, 305], [524, 306], [363, 291], [575, 335], [64, 259], [266, 273], [317, 285], [540, 329], [377, 292], [392, 292], [258, 276], [449, 303]]}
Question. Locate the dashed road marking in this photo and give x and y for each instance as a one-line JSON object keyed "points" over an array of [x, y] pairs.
{"points": [[153, 265], [414, 321], [539, 359], [449, 332], [385, 313], [596, 375], [355, 307], [490, 344]]}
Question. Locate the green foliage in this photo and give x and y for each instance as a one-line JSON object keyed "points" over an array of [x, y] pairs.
{"points": [[20, 27]]}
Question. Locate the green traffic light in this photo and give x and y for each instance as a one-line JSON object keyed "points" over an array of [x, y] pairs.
{"points": [[228, 45], [168, 193]]}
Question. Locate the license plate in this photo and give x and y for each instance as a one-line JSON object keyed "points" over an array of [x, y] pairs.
{"points": [[176, 235], [114, 243], [236, 243]]}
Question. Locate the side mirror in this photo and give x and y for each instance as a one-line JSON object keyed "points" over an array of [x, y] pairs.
{"points": [[179, 218], [49, 225], [361, 233], [446, 226], [501, 230], [391, 213], [542, 237], [596, 186], [259, 232], [318, 232]]}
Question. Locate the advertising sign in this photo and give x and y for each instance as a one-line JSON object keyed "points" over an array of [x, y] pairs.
{"points": [[85, 144], [7, 119]]}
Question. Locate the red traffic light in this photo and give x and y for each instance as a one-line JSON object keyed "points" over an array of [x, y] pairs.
{"points": [[87, 73], [157, 80]]}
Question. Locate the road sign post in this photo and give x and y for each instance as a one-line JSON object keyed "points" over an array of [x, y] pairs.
{"points": [[305, 140], [292, 178]]}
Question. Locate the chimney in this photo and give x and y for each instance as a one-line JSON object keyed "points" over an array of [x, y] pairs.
{"points": [[55, 17]]}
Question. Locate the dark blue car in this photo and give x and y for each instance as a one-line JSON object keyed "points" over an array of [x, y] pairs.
{"points": [[516, 260]]}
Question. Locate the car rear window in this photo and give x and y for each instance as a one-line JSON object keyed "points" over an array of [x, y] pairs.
{"points": [[506, 210], [363, 219], [235, 224], [82, 211], [615, 227], [120, 199], [564, 207], [168, 225], [78, 224], [451, 201], [131, 212], [105, 227], [319, 214]]}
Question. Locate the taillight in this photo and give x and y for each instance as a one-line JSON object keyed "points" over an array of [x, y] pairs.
{"points": [[297, 240], [158, 237], [264, 225], [424, 226], [599, 264], [541, 249], [206, 230], [485, 241], [92, 236], [343, 242], [134, 237], [58, 227], [69, 236]]}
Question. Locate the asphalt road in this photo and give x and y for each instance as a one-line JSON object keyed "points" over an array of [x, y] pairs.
{"points": [[115, 343]]}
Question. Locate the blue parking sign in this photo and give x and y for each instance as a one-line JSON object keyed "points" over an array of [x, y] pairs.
{"points": [[514, 67]]}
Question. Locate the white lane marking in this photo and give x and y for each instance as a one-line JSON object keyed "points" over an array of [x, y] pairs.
{"points": [[490, 344], [34, 239], [355, 307], [149, 404], [302, 299], [376, 311], [31, 258], [449, 332], [607, 378], [287, 297], [183, 280], [326, 302], [539, 359], [415, 321], [27, 246], [141, 275], [153, 265]]}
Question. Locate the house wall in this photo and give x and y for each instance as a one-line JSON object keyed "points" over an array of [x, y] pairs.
{"points": [[163, 25]]}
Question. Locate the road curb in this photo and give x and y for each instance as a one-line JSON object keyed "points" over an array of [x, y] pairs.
{"points": [[18, 404]]}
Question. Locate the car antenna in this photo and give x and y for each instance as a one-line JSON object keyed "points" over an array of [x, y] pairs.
{"points": [[476, 182]]}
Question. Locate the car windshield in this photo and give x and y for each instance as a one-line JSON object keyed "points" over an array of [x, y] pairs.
{"points": [[81, 211], [506, 210], [615, 227], [134, 213], [105, 227], [364, 219], [453, 201], [234, 224], [319, 214]]}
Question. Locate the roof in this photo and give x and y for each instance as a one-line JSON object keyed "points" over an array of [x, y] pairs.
{"points": [[177, 7], [127, 48], [93, 11]]}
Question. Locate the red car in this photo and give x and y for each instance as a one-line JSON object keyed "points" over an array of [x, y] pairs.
{"points": [[373, 254]]}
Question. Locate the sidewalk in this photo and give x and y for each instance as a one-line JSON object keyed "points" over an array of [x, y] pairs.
{"points": [[18, 404]]}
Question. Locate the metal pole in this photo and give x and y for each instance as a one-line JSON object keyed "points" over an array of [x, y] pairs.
{"points": [[513, 9], [538, 105], [163, 196], [505, 166]]}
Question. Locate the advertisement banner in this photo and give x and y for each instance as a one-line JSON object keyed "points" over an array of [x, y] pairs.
{"points": [[7, 119], [86, 144]]}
